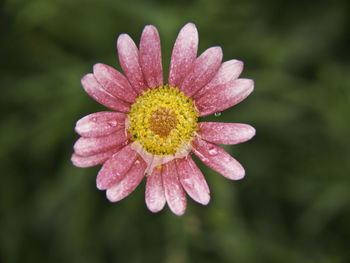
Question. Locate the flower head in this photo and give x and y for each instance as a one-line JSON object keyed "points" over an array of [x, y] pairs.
{"points": [[154, 126]]}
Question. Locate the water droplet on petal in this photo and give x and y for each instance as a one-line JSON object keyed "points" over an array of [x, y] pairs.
{"points": [[94, 119], [217, 114], [213, 152], [112, 123]]}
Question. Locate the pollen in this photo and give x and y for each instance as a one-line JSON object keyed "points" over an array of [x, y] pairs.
{"points": [[163, 121]]}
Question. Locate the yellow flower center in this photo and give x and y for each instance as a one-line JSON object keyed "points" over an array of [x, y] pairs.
{"points": [[163, 121]]}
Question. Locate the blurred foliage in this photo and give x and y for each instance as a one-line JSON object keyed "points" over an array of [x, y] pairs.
{"points": [[293, 205]]}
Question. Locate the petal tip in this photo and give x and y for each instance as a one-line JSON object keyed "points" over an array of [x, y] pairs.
{"points": [[218, 50], [252, 132], [149, 29], [76, 146], [190, 26], [109, 197], [205, 200], [155, 209], [73, 160], [86, 78], [250, 84], [239, 64], [121, 39], [239, 174], [98, 67], [179, 213], [98, 185], [77, 128], [246, 86]]}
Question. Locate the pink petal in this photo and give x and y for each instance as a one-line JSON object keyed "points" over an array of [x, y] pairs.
{"points": [[155, 197], [151, 57], [129, 61], [128, 183], [115, 168], [93, 160], [94, 145], [94, 89], [203, 70], [217, 159], [100, 123], [225, 133], [114, 82], [174, 193], [225, 96], [228, 71], [184, 54], [193, 180]]}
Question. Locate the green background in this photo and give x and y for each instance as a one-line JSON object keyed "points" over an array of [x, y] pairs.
{"points": [[292, 206]]}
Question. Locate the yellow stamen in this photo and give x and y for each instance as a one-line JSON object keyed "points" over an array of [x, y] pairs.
{"points": [[163, 120]]}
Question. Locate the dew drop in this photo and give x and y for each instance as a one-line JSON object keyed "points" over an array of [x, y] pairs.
{"points": [[213, 152], [112, 123], [217, 114], [205, 160], [94, 119]]}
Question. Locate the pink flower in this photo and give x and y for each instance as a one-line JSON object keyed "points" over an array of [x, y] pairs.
{"points": [[154, 127]]}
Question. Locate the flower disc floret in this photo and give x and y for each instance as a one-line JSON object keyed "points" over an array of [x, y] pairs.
{"points": [[163, 121]]}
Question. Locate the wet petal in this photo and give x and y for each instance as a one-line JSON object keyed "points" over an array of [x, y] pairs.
{"points": [[94, 145], [184, 54], [225, 96], [151, 57], [95, 90], [130, 63], [128, 183], [193, 180], [100, 123], [155, 196], [174, 192], [228, 71], [114, 82], [115, 168], [81, 161], [203, 70], [225, 133], [217, 159]]}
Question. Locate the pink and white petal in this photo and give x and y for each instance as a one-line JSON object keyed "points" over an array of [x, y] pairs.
{"points": [[174, 192], [225, 96], [151, 57], [228, 71], [81, 161], [217, 159], [184, 54], [128, 183], [130, 63], [202, 71], [225, 133], [154, 195], [114, 82], [95, 90], [193, 180], [100, 123], [94, 145], [114, 169]]}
